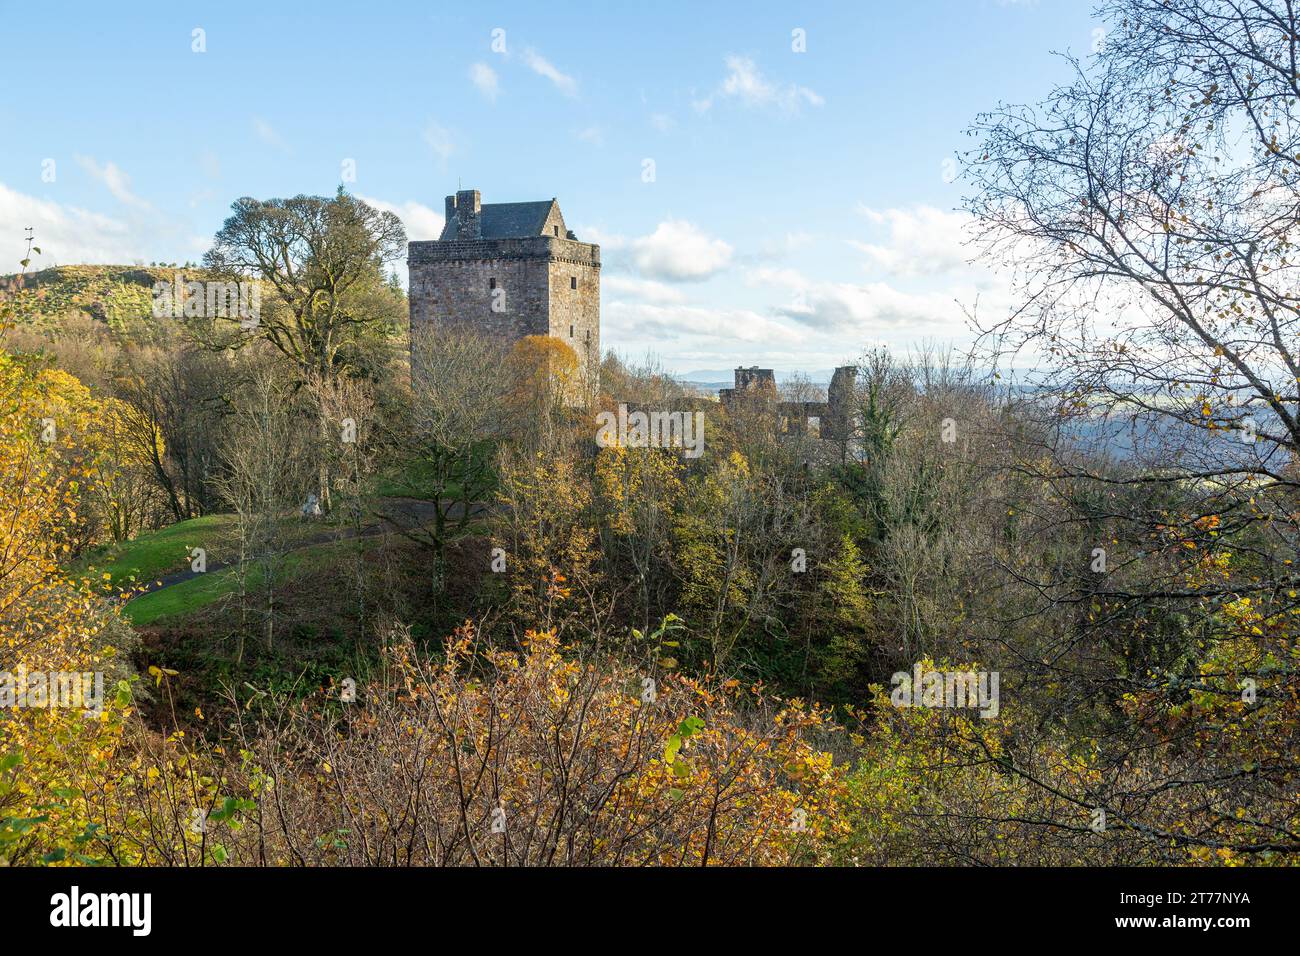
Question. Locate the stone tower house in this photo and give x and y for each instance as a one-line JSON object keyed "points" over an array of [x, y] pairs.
{"points": [[511, 270]]}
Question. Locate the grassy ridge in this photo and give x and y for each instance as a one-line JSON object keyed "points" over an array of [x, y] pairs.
{"points": [[117, 295]]}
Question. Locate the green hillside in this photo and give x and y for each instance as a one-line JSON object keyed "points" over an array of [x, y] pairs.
{"points": [[117, 295]]}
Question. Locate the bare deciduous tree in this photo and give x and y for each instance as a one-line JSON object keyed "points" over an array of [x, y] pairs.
{"points": [[265, 478]]}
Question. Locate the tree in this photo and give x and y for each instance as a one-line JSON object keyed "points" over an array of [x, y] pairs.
{"points": [[124, 495], [176, 393], [715, 535], [92, 434], [555, 760], [843, 616], [544, 525], [49, 623], [640, 490], [315, 254], [263, 480], [323, 261], [348, 451], [457, 418], [1148, 209], [544, 382]]}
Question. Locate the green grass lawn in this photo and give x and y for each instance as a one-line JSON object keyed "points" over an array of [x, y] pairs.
{"points": [[206, 589], [152, 554], [181, 599], [155, 553]]}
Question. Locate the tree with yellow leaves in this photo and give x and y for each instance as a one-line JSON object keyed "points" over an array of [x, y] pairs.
{"points": [[48, 623], [544, 527], [713, 534], [544, 381], [639, 490]]}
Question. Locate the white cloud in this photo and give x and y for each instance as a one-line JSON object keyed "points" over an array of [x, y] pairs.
{"points": [[608, 241], [114, 180], [593, 135], [919, 289], [644, 290], [867, 310], [543, 67], [784, 246], [745, 84], [662, 122], [677, 326], [268, 134], [439, 140], [422, 223], [678, 250], [485, 79], [922, 241], [65, 234]]}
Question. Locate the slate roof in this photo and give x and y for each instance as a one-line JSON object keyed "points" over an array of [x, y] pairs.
{"points": [[509, 220]]}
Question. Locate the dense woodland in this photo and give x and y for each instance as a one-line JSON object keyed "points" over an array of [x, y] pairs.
{"points": [[499, 643]]}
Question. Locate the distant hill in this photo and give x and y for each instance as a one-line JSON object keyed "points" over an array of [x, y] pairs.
{"points": [[117, 295]]}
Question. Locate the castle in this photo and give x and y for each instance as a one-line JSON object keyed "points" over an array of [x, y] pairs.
{"points": [[511, 270]]}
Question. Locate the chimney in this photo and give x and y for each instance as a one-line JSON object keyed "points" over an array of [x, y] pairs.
{"points": [[467, 214], [451, 209]]}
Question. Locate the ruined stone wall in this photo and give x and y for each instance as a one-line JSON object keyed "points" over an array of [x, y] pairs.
{"points": [[763, 379], [839, 398], [834, 416]]}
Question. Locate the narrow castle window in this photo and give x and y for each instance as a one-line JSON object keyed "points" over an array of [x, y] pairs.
{"points": [[573, 282], [557, 229], [492, 283], [570, 331]]}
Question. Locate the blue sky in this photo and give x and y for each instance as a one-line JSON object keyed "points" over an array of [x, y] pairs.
{"points": [[799, 209]]}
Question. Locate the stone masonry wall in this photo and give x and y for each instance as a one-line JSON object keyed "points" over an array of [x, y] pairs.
{"points": [[575, 312], [453, 282]]}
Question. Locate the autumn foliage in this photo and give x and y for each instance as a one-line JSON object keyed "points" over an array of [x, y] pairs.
{"points": [[553, 761]]}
